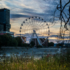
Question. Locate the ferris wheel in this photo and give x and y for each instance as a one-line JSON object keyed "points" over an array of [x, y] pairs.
{"points": [[35, 27]]}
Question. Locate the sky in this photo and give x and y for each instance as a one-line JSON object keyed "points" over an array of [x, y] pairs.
{"points": [[20, 10]]}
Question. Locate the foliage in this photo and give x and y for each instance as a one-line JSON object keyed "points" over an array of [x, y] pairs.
{"points": [[46, 63], [63, 58], [32, 44], [39, 46], [19, 41], [60, 44], [7, 40], [50, 44], [25, 45]]}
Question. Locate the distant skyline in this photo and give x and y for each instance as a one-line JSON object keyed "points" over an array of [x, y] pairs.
{"points": [[22, 9]]}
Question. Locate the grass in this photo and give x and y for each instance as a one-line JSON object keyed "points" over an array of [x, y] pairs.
{"points": [[57, 62]]}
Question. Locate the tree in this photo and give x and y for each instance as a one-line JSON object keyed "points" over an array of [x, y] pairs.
{"points": [[39, 46], [19, 41], [32, 44], [50, 44], [25, 45], [7, 40], [60, 44]]}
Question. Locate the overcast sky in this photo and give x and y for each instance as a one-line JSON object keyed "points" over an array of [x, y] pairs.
{"points": [[22, 9]]}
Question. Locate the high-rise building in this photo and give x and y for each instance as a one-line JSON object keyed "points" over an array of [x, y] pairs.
{"points": [[5, 19]]}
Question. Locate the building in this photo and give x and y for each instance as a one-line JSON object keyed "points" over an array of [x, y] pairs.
{"points": [[7, 32], [5, 19]]}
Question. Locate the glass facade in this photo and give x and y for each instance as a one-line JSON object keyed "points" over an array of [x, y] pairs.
{"points": [[4, 19]]}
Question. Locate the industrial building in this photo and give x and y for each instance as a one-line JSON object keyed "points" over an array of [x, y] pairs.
{"points": [[5, 19]]}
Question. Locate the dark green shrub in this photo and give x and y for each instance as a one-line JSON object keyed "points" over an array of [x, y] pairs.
{"points": [[51, 44], [19, 41], [25, 45], [39, 46], [7, 40], [60, 44], [32, 44]]}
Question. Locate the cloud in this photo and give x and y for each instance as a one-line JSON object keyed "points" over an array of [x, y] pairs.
{"points": [[19, 16], [21, 9], [43, 8], [28, 10], [54, 36]]}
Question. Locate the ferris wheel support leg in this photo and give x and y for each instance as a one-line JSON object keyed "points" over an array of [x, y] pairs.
{"points": [[38, 40], [31, 37], [22, 39], [36, 37]]}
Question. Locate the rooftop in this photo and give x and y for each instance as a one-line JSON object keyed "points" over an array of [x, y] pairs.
{"points": [[3, 9]]}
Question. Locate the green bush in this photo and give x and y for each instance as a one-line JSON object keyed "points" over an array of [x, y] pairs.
{"points": [[19, 41], [60, 44], [50, 44], [32, 44], [25, 45], [39, 46], [7, 40]]}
